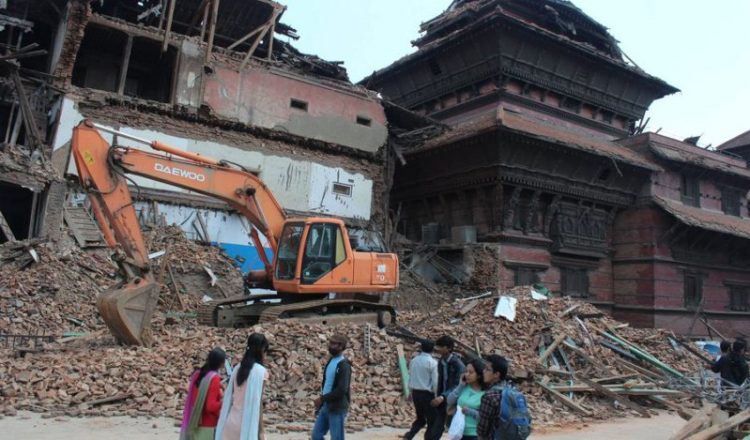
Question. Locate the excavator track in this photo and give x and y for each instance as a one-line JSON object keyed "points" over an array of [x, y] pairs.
{"points": [[234, 312]]}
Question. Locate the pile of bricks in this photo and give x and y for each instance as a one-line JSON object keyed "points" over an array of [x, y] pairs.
{"points": [[93, 376]]}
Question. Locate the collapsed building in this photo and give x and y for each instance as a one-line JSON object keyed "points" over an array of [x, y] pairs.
{"points": [[545, 174], [546, 167], [212, 77]]}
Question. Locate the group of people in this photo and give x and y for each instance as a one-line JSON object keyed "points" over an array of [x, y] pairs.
{"points": [[237, 413], [438, 388], [731, 364]]}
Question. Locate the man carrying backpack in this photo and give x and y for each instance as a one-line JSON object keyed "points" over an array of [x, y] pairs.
{"points": [[503, 413]]}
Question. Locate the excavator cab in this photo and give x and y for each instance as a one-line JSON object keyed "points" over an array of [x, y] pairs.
{"points": [[315, 256]]}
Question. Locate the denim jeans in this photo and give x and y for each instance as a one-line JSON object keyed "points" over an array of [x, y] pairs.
{"points": [[327, 421]]}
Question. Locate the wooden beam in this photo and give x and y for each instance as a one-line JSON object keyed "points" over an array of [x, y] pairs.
{"points": [[254, 45], [721, 428], [699, 421], [204, 22], [270, 40], [270, 24], [212, 29], [552, 347], [5, 228], [568, 402], [615, 397], [32, 131], [202, 10], [403, 369], [111, 399], [683, 412], [124, 65], [168, 28], [250, 34]]}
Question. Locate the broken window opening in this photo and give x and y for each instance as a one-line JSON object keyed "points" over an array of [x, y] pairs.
{"points": [[574, 282], [150, 71], [342, 189], [690, 191], [16, 205], [739, 297], [99, 59], [435, 67], [693, 290], [298, 104], [730, 201], [526, 276], [362, 120]]}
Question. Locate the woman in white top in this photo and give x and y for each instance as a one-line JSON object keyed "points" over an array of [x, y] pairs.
{"points": [[242, 411]]}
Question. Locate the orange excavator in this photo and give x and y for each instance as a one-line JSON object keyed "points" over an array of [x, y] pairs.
{"points": [[312, 257]]}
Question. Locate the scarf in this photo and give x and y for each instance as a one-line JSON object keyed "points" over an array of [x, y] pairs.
{"points": [[251, 415], [191, 415]]}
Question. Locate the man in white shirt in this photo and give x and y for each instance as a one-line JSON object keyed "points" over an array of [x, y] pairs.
{"points": [[423, 384]]}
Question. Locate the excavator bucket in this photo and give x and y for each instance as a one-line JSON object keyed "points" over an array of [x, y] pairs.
{"points": [[127, 310]]}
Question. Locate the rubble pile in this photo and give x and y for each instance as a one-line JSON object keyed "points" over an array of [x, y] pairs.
{"points": [[106, 379], [188, 261], [553, 324], [151, 381], [49, 288]]}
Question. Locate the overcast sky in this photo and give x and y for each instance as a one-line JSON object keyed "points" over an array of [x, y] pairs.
{"points": [[700, 47]]}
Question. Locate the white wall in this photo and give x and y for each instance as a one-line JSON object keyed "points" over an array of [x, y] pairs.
{"points": [[298, 185]]}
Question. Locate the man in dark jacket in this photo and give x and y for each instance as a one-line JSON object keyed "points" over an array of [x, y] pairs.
{"points": [[450, 369], [333, 403], [733, 367]]}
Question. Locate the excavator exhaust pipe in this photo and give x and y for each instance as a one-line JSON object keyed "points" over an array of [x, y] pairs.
{"points": [[127, 310]]}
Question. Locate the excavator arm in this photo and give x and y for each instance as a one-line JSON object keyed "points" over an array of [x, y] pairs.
{"points": [[127, 309]]}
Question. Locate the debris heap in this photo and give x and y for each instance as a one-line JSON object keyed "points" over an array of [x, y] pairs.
{"points": [[555, 348]]}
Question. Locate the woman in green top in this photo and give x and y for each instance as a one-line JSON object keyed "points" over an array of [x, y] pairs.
{"points": [[468, 395]]}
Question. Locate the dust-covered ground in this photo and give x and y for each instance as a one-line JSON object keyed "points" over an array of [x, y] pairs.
{"points": [[28, 425]]}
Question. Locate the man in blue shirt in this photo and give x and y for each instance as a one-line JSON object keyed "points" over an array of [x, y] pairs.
{"points": [[333, 403]]}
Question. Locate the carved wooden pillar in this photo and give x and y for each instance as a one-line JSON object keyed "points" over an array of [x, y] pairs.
{"points": [[532, 224], [510, 210], [492, 203], [552, 209], [447, 208]]}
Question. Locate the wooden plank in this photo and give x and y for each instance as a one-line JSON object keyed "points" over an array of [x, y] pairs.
{"points": [[404, 369], [564, 400], [175, 288], [683, 412], [212, 29], [569, 310], [619, 389], [168, 27], [637, 368], [721, 428], [125, 65], [245, 37], [110, 399], [615, 397], [467, 308], [5, 227], [699, 421], [687, 346], [552, 347]]}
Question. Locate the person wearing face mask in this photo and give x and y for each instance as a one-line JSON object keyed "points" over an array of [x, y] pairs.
{"points": [[333, 403]]}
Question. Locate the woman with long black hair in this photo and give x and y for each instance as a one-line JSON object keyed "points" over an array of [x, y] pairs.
{"points": [[203, 401], [242, 412]]}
